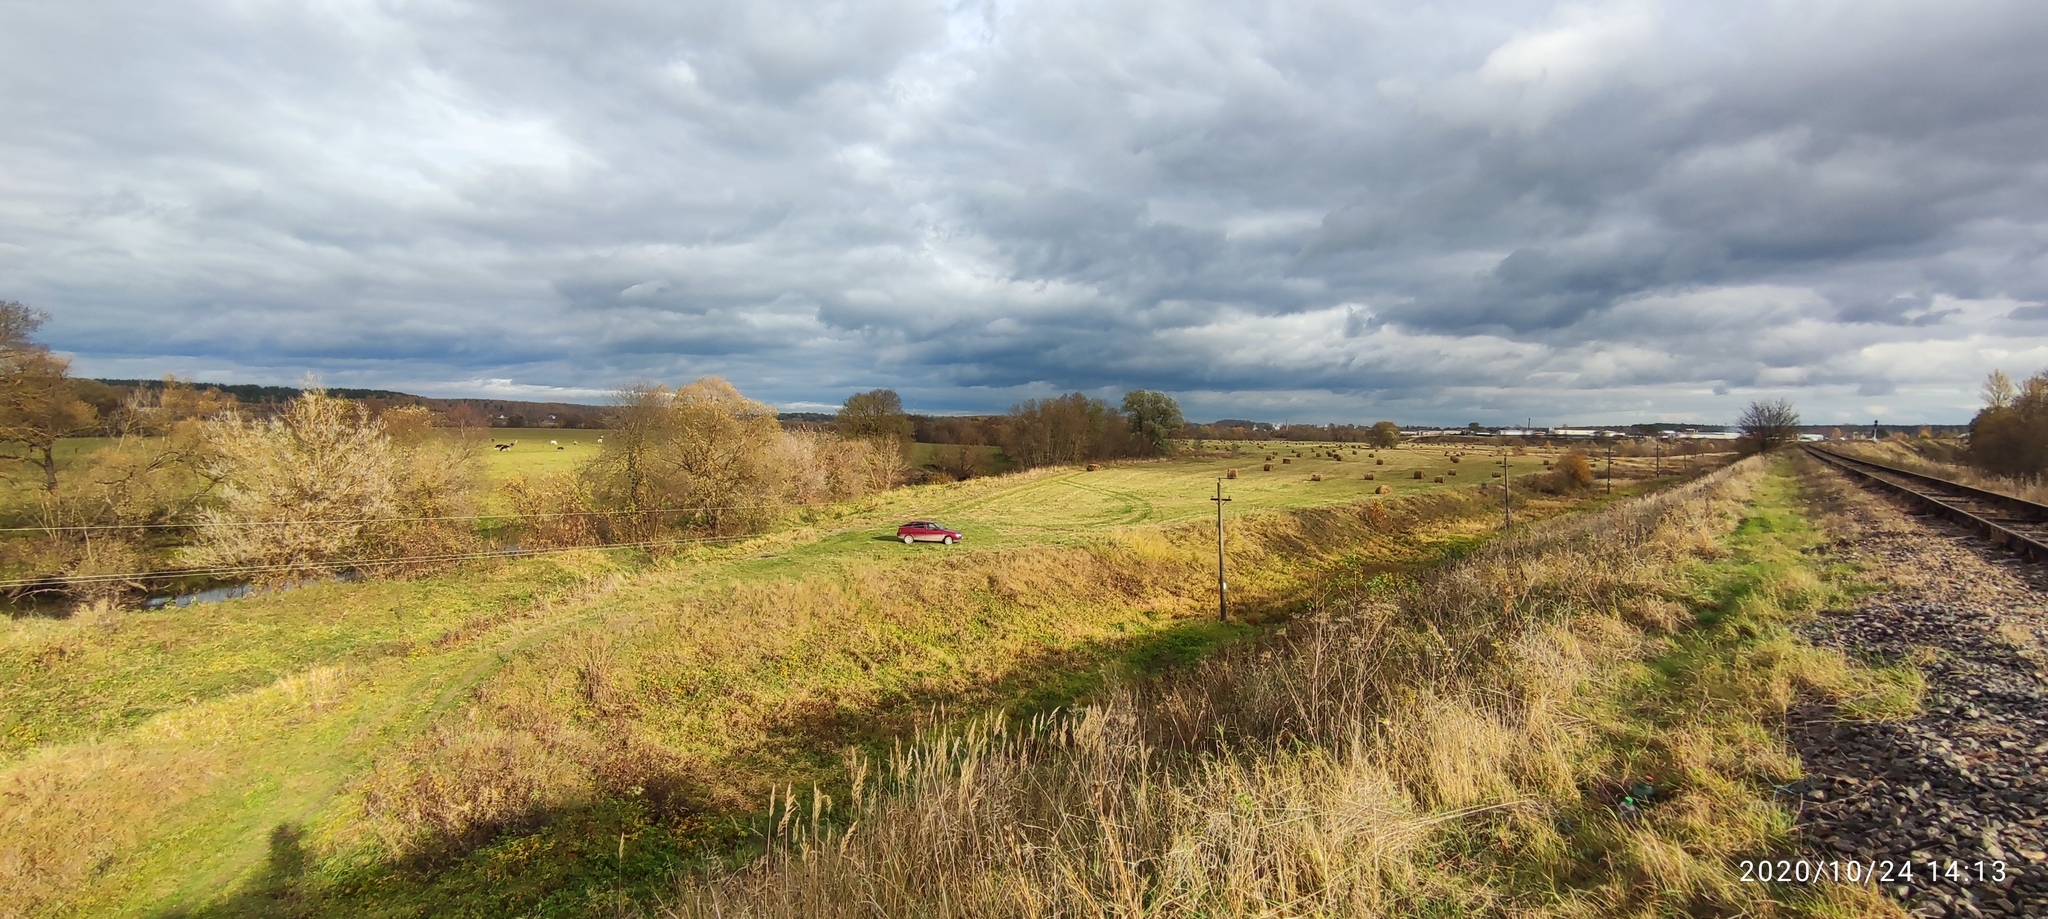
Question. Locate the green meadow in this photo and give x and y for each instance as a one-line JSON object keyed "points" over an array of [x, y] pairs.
{"points": [[450, 744]]}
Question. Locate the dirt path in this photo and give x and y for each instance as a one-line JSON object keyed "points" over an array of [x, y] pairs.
{"points": [[1962, 790]]}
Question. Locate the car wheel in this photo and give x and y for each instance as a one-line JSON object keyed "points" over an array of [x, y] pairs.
{"points": [[948, 540], [907, 540]]}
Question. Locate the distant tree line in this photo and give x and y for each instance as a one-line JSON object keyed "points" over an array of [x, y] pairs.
{"points": [[1073, 428], [1380, 434]]}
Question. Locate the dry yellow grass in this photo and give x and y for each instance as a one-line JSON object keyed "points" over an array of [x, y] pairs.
{"points": [[660, 699], [1456, 746]]}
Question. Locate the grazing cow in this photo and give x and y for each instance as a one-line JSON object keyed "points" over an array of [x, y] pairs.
{"points": [[502, 447]]}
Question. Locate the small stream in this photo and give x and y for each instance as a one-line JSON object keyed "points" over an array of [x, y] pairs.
{"points": [[228, 592]]}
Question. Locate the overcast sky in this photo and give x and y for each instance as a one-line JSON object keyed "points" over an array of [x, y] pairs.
{"points": [[1343, 211]]}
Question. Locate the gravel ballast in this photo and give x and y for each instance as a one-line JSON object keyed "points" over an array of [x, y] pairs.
{"points": [[1963, 785]]}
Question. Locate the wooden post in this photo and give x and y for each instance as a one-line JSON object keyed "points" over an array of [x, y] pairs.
{"points": [[1222, 589]]}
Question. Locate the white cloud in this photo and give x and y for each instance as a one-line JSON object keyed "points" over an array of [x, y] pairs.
{"points": [[1429, 212]]}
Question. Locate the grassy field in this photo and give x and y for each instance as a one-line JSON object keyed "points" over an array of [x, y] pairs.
{"points": [[451, 745], [539, 451], [1583, 721]]}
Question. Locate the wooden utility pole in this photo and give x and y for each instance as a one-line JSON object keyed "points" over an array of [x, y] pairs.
{"points": [[1507, 478], [1610, 469], [1222, 603]]}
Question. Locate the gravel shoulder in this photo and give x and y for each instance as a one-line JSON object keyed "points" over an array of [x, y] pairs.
{"points": [[1964, 785]]}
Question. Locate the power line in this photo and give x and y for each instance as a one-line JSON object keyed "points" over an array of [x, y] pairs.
{"points": [[352, 520], [68, 580]]}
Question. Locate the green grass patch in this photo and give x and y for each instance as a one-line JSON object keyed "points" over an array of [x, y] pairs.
{"points": [[181, 755], [1699, 721]]}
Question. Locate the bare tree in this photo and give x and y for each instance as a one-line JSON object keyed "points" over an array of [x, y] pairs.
{"points": [[1768, 425]]}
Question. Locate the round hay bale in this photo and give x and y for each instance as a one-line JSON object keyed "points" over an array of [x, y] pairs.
{"points": [[1384, 490], [1268, 467], [1379, 462], [1454, 457], [1418, 473], [1316, 478], [1452, 472], [1231, 474], [1368, 476], [1496, 475], [1094, 466], [1285, 460], [1439, 480]]}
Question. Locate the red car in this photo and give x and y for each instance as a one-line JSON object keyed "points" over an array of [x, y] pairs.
{"points": [[927, 531]]}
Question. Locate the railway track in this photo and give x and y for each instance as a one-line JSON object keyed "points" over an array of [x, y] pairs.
{"points": [[2017, 524]]}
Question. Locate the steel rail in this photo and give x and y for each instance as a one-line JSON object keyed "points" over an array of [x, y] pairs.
{"points": [[1952, 500]]}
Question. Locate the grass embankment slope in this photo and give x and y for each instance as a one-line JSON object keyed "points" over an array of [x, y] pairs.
{"points": [[489, 722], [1585, 720]]}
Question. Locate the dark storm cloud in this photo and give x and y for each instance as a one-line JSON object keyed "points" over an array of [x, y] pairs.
{"points": [[1289, 210]]}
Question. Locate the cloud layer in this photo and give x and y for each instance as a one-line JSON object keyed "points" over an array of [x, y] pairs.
{"points": [[1298, 210]]}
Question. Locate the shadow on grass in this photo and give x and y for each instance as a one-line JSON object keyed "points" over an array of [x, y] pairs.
{"points": [[276, 889], [591, 857], [596, 856]]}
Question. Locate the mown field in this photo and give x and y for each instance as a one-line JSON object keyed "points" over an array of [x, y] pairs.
{"points": [[536, 736]]}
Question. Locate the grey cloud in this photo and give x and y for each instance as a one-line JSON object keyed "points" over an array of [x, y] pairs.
{"points": [[1640, 208]]}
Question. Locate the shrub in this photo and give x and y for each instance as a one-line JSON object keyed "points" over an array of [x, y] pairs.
{"points": [[322, 486], [698, 457], [819, 468], [1576, 471], [2009, 437], [553, 511]]}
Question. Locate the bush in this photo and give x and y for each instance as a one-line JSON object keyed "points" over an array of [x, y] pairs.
{"points": [[698, 457], [703, 458], [1575, 470], [2009, 437], [554, 511], [322, 486]]}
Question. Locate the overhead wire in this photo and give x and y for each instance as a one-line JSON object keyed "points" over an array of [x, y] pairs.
{"points": [[73, 528], [340, 564]]}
